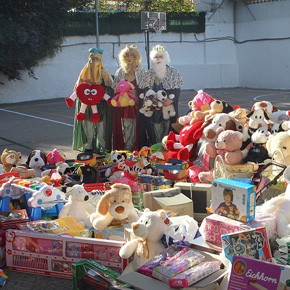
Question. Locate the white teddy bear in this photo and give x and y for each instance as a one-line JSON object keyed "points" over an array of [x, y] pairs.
{"points": [[279, 206], [146, 243], [169, 110], [80, 205]]}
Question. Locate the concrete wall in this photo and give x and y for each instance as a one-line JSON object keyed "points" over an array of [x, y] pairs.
{"points": [[208, 60]]}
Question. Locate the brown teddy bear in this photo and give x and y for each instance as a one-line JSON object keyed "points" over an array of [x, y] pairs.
{"points": [[9, 159]]}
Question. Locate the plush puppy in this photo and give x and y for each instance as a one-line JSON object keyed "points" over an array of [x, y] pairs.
{"points": [[114, 204], [36, 160]]}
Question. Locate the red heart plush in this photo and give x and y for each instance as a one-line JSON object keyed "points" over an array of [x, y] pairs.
{"points": [[90, 94]]}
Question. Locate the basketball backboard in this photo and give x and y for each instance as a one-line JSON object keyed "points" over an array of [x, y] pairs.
{"points": [[153, 21]]}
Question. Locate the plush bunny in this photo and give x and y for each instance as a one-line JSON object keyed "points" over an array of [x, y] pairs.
{"points": [[114, 204]]}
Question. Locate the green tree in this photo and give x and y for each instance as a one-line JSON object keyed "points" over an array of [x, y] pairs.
{"points": [[30, 31], [160, 5]]}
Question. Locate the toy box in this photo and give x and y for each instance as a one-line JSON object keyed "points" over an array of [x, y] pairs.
{"points": [[234, 199], [66, 225], [176, 266], [252, 243], [254, 274], [9, 220], [169, 254], [90, 274], [169, 199], [200, 194], [213, 226], [50, 254]]}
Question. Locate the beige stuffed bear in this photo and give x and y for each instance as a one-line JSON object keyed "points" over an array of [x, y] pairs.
{"points": [[80, 205], [278, 147], [146, 242], [114, 204]]}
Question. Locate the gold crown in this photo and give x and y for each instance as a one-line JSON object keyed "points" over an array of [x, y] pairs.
{"points": [[159, 48]]}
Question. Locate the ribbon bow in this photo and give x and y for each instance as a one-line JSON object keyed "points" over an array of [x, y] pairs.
{"points": [[142, 249]]}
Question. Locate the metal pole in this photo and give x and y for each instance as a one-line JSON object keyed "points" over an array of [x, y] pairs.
{"points": [[147, 48], [97, 24]]}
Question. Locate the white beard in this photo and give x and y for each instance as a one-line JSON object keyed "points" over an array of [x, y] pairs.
{"points": [[160, 70]]}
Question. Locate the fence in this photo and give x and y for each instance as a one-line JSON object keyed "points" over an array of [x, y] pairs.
{"points": [[80, 24]]}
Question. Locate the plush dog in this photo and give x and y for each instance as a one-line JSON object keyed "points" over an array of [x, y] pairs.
{"points": [[150, 103], [36, 160], [114, 204], [167, 110], [79, 205], [114, 173]]}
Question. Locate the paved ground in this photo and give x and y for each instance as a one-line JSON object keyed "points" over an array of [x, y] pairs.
{"points": [[46, 125]]}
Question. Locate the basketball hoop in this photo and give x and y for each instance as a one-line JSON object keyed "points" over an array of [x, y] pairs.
{"points": [[154, 22]]}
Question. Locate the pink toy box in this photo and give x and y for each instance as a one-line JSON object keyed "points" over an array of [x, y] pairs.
{"points": [[234, 199], [53, 255], [214, 225], [254, 274]]}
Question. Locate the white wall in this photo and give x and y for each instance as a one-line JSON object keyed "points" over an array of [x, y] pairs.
{"points": [[207, 60], [264, 64]]}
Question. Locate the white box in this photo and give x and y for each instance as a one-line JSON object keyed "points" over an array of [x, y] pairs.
{"points": [[170, 199], [200, 194]]}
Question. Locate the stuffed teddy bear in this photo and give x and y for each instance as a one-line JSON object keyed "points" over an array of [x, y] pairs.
{"points": [[278, 146], [124, 95], [79, 205], [150, 103], [228, 146], [89, 95], [146, 242], [182, 146], [9, 159], [167, 110], [116, 204]]}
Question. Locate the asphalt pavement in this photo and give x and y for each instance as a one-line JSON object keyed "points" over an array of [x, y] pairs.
{"points": [[48, 124]]}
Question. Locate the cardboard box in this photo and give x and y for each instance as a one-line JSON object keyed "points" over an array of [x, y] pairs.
{"points": [[254, 274], [66, 225], [234, 199], [50, 254], [214, 226], [90, 274], [252, 243], [200, 194], [169, 199], [9, 220]]}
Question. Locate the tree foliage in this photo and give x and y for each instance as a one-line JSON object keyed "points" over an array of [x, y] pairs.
{"points": [[30, 31], [160, 5]]}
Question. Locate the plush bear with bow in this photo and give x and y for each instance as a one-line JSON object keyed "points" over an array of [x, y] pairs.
{"points": [[146, 242], [124, 95]]}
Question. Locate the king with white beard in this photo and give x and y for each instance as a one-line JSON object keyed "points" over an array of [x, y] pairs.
{"points": [[161, 76]]}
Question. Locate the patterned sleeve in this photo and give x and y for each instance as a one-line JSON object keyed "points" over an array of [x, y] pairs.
{"points": [[119, 75], [107, 78]]}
